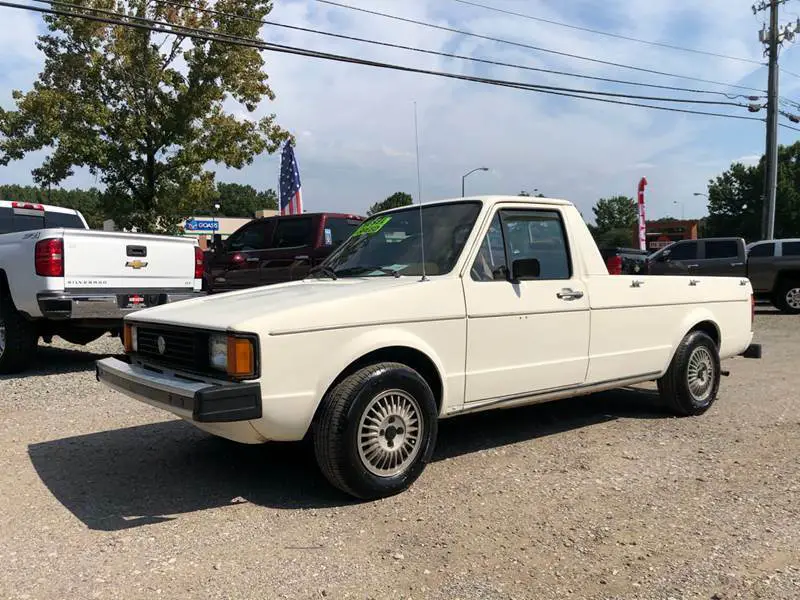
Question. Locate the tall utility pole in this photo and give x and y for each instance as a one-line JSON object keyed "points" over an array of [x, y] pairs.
{"points": [[771, 167]]}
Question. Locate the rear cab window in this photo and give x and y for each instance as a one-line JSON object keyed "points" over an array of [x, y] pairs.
{"points": [[338, 229], [762, 250], [20, 220], [790, 249]]}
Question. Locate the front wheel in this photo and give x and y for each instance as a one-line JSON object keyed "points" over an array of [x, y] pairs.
{"points": [[690, 385], [787, 297], [376, 431]]}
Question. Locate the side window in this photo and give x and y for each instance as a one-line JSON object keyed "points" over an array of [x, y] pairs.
{"points": [[763, 250], [722, 249], [338, 229], [254, 236], [293, 233], [790, 249], [538, 234], [490, 264], [6, 220], [686, 251]]}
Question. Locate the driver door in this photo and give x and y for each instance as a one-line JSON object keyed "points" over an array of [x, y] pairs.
{"points": [[531, 336]]}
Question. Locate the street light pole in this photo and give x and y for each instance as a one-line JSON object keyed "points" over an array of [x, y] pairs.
{"points": [[464, 177], [681, 203]]}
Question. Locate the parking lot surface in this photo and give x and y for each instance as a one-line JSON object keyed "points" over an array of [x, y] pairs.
{"points": [[606, 496]]}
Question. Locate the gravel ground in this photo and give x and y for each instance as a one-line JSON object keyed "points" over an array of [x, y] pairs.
{"points": [[599, 497]]}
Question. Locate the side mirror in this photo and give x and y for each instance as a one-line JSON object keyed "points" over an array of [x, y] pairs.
{"points": [[525, 268]]}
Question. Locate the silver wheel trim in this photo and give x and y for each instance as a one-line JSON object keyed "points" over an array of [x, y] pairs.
{"points": [[793, 298], [700, 374], [2, 337], [390, 433]]}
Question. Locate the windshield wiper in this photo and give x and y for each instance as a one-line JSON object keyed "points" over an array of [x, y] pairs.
{"points": [[324, 270], [369, 269]]}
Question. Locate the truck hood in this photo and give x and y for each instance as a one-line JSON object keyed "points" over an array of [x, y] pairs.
{"points": [[315, 304]]}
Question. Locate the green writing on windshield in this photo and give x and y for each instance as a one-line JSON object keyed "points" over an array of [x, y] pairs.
{"points": [[373, 226]]}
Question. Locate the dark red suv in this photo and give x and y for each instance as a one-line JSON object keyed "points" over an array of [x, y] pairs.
{"points": [[276, 249]]}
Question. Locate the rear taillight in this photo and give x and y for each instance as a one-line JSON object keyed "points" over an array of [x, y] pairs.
{"points": [[199, 262], [50, 257], [614, 265]]}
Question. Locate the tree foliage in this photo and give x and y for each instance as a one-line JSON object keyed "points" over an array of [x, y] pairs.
{"points": [[735, 199], [396, 200], [144, 111], [237, 200], [615, 219], [528, 194]]}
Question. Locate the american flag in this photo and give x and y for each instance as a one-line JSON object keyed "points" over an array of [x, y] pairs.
{"points": [[291, 197]]}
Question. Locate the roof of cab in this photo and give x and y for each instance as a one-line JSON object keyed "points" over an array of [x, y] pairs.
{"points": [[491, 200], [46, 207]]}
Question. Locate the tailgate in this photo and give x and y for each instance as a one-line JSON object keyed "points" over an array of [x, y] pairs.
{"points": [[126, 261]]}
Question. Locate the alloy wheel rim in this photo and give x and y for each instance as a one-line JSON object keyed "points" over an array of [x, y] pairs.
{"points": [[700, 374], [389, 433], [793, 298]]}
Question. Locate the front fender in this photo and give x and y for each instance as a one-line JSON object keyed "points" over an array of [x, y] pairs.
{"points": [[371, 341]]}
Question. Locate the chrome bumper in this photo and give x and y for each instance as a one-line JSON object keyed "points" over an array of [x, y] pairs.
{"points": [[192, 400], [74, 305]]}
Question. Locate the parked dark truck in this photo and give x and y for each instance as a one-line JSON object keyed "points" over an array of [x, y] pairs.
{"points": [[773, 267], [276, 249]]}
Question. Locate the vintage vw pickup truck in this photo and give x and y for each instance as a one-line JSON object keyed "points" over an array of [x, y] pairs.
{"points": [[428, 312]]}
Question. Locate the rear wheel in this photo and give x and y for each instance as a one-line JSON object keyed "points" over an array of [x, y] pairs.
{"points": [[376, 431], [18, 339], [787, 297], [690, 385]]}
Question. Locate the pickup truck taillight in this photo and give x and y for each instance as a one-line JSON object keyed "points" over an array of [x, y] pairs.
{"points": [[199, 263], [614, 265], [49, 257]]}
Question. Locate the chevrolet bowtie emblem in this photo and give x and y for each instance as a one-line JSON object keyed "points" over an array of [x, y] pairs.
{"points": [[136, 264]]}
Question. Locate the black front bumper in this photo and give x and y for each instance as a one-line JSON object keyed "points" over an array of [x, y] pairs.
{"points": [[198, 401]]}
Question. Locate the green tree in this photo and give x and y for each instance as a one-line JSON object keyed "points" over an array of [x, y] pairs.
{"points": [[144, 111], [396, 200], [528, 194], [236, 200], [617, 212]]}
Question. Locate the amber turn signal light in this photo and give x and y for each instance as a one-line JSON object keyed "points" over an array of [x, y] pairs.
{"points": [[241, 357], [127, 338]]}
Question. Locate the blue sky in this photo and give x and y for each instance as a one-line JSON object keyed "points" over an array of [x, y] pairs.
{"points": [[354, 125]]}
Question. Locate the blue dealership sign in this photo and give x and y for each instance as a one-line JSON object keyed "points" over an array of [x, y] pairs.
{"points": [[201, 225]]}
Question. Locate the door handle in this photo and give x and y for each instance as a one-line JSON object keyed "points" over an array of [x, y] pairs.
{"points": [[252, 259], [569, 294], [301, 257], [739, 264], [692, 266]]}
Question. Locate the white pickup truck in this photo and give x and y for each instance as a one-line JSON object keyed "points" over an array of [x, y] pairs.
{"points": [[428, 312], [57, 277]]}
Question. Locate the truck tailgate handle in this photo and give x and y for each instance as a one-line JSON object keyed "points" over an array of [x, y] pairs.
{"points": [[569, 294], [136, 251]]}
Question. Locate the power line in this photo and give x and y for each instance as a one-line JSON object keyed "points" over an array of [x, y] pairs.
{"points": [[206, 35], [434, 52], [609, 34], [531, 47], [788, 127]]}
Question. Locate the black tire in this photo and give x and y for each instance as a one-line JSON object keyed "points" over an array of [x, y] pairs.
{"points": [[19, 349], [81, 337], [787, 297], [336, 430], [674, 387]]}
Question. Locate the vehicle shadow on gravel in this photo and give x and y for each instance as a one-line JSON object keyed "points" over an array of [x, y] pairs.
{"points": [[148, 474], [60, 361]]}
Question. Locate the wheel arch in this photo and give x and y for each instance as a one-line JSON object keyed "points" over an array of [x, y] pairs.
{"points": [[401, 348], [698, 320]]}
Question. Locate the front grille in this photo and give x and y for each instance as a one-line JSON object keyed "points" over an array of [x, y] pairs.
{"points": [[186, 350]]}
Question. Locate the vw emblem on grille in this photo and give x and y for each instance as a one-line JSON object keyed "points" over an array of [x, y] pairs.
{"points": [[162, 344]]}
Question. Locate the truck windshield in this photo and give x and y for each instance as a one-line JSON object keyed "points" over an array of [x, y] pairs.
{"points": [[16, 223], [392, 244]]}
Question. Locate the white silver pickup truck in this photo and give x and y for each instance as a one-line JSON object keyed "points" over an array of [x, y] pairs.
{"points": [[57, 277], [428, 312]]}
